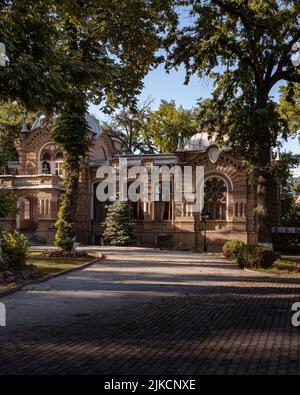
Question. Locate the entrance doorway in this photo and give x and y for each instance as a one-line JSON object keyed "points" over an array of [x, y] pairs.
{"points": [[25, 217]]}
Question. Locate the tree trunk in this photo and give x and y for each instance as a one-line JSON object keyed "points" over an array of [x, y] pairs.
{"points": [[264, 209], [264, 182], [264, 185]]}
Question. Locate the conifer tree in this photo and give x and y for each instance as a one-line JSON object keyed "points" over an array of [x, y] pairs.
{"points": [[118, 224]]}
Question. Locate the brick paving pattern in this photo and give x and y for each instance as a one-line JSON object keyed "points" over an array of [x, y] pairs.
{"points": [[240, 328]]}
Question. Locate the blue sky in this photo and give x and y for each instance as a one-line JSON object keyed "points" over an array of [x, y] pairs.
{"points": [[162, 86]]}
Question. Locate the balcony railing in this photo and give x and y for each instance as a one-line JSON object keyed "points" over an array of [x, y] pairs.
{"points": [[15, 182]]}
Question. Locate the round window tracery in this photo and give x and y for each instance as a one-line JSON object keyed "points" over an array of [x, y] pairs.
{"points": [[215, 198]]}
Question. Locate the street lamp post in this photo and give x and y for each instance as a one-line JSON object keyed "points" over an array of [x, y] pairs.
{"points": [[205, 217]]}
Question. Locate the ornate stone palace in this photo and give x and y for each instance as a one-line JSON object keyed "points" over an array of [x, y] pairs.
{"points": [[37, 180]]}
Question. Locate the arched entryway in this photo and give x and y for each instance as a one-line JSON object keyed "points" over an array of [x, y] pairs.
{"points": [[25, 217]]}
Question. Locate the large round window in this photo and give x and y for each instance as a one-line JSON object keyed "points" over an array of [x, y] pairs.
{"points": [[215, 198]]}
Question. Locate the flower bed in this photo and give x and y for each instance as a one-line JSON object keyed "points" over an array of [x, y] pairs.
{"points": [[65, 254]]}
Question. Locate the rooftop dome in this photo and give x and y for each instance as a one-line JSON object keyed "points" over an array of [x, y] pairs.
{"points": [[200, 142], [38, 122], [92, 122]]}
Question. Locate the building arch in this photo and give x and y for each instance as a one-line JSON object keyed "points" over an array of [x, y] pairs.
{"points": [[50, 161], [222, 176], [216, 198], [25, 216]]}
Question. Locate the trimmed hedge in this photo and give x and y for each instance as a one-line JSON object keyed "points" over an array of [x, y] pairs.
{"points": [[15, 251], [232, 248], [256, 257]]}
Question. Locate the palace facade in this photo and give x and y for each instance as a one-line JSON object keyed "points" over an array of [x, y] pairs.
{"points": [[37, 180]]}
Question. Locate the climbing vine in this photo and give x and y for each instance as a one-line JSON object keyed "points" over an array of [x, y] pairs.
{"points": [[72, 134]]}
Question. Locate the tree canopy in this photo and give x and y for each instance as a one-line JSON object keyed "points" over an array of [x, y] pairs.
{"points": [[152, 131], [167, 123], [130, 126], [246, 48], [8, 206], [57, 48], [62, 54], [289, 107], [290, 210], [11, 118]]}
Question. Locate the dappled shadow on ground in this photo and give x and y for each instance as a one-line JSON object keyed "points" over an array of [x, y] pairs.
{"points": [[100, 282], [202, 318], [237, 329]]}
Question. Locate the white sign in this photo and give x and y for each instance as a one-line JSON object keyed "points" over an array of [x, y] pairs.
{"points": [[2, 314]]}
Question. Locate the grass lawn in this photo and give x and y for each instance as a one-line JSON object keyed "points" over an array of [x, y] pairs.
{"points": [[288, 264], [47, 265], [283, 266]]}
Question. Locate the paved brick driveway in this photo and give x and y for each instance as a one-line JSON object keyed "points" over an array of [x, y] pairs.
{"points": [[151, 312]]}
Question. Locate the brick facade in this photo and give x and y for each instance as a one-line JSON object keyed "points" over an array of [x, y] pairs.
{"points": [[39, 193]]}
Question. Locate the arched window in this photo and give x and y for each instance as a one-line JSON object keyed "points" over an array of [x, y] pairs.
{"points": [[59, 161], [46, 160], [216, 199], [46, 157], [51, 160], [46, 168]]}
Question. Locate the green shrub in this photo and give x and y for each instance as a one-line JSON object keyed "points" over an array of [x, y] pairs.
{"points": [[15, 251], [232, 248], [256, 257], [64, 236]]}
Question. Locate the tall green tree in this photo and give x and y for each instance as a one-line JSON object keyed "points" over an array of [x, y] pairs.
{"points": [[296, 186], [11, 118], [33, 75], [62, 54], [72, 134], [167, 123], [289, 107], [118, 224], [28, 31], [246, 48], [109, 47], [152, 131], [8, 207], [130, 126], [290, 211]]}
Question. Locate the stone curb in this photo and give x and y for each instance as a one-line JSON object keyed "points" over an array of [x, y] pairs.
{"points": [[50, 277]]}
